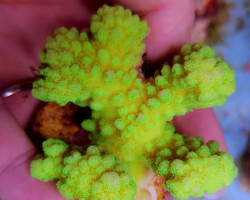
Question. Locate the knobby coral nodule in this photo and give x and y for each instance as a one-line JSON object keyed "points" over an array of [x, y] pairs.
{"points": [[128, 123]]}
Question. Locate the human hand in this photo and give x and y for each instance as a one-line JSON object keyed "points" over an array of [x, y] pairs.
{"points": [[24, 35]]}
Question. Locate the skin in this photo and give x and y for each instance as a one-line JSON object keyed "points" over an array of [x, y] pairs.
{"points": [[23, 33]]}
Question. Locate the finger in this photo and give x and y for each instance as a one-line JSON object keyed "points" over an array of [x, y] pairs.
{"points": [[201, 122], [16, 151], [170, 24], [16, 183], [13, 140]]}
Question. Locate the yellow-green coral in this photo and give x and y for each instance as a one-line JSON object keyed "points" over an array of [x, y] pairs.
{"points": [[96, 68], [82, 68], [48, 168], [191, 168], [90, 176]]}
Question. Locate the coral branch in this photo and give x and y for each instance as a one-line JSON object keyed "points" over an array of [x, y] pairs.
{"points": [[96, 68], [89, 176]]}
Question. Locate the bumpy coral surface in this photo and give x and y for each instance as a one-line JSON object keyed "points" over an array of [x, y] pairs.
{"points": [[191, 168], [89, 176], [96, 68]]}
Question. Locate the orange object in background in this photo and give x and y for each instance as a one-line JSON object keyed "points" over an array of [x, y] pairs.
{"points": [[62, 122]]}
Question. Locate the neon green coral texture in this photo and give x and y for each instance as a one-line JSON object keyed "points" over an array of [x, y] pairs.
{"points": [[191, 168], [48, 168], [89, 176], [97, 67]]}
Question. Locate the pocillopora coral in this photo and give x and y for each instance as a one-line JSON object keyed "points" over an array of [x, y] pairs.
{"points": [[90, 176], [96, 68]]}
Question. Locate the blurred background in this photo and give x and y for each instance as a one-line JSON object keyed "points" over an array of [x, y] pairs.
{"points": [[225, 24]]}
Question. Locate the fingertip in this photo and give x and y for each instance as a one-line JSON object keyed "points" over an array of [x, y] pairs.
{"points": [[170, 23], [170, 28], [201, 122]]}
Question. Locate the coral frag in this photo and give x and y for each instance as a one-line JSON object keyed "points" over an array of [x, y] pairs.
{"points": [[96, 68]]}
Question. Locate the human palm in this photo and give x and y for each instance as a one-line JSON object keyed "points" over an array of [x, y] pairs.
{"points": [[23, 36]]}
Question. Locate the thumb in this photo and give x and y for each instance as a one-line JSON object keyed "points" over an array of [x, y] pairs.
{"points": [[16, 151], [13, 140]]}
